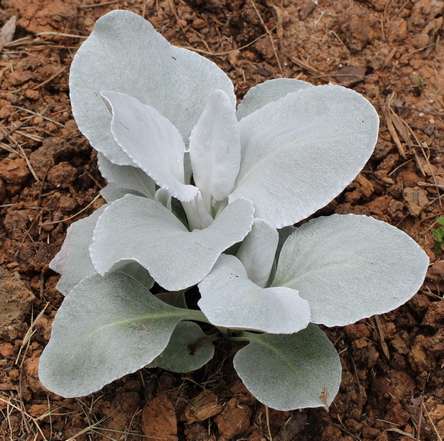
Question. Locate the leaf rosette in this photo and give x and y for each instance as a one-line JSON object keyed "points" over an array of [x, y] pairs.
{"points": [[203, 194]]}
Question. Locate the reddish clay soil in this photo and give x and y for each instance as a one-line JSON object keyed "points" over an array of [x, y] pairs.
{"points": [[391, 51]]}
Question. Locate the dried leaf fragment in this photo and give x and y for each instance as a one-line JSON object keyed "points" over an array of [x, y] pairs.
{"points": [[202, 407], [350, 75], [7, 31]]}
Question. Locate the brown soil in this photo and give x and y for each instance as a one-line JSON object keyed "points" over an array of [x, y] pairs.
{"points": [[388, 50]]}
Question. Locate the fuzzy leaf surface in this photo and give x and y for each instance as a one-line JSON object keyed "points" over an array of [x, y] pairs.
{"points": [[139, 229], [189, 349], [268, 92], [106, 328], [301, 151], [73, 260], [131, 179], [288, 372], [151, 141], [232, 301], [349, 267], [215, 147], [257, 251], [125, 54]]}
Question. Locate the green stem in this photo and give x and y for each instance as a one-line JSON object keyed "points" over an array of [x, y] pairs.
{"points": [[198, 316], [233, 335], [244, 336]]}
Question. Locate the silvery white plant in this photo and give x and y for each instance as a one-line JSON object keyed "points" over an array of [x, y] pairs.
{"points": [[200, 193]]}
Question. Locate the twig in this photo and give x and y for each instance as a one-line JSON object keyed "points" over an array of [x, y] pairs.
{"points": [[390, 120], [399, 166], [343, 428], [436, 149], [74, 215], [355, 371], [279, 26], [219, 54], [382, 342], [21, 153], [271, 36], [417, 50], [50, 78], [431, 421], [401, 432], [426, 112], [14, 129], [60, 34], [332, 32], [29, 135], [26, 414], [426, 184], [29, 334], [39, 114], [428, 163], [304, 65], [267, 419], [29, 40], [100, 4], [418, 427], [17, 42], [176, 15]]}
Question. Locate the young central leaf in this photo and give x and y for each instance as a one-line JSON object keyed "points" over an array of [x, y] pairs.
{"points": [[215, 148]]}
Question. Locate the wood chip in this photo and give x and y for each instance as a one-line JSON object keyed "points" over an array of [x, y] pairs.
{"points": [[348, 76], [367, 187], [202, 407]]}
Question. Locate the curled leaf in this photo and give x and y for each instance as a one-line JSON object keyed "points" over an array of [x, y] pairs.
{"points": [[258, 250], [124, 53], [142, 230], [151, 141], [230, 300]]}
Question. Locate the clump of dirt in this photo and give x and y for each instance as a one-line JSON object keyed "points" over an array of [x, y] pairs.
{"points": [[38, 16], [15, 306], [391, 52]]}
